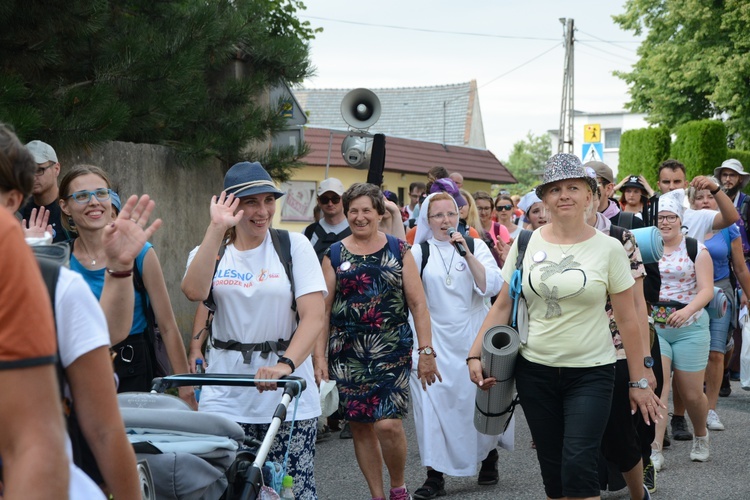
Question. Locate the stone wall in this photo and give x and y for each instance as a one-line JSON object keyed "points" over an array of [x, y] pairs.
{"points": [[181, 189]]}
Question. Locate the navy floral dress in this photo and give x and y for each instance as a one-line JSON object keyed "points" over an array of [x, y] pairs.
{"points": [[370, 342]]}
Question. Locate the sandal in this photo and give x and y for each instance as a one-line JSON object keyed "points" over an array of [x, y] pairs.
{"points": [[433, 487]]}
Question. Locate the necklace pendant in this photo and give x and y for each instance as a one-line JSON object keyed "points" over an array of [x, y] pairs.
{"points": [[93, 262], [448, 280]]}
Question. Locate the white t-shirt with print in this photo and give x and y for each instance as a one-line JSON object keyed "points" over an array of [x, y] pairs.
{"points": [[253, 304]]}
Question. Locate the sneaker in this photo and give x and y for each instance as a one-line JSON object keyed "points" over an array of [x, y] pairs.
{"points": [[657, 460], [700, 449], [649, 478], [713, 422], [680, 430], [646, 494], [346, 432], [399, 494]]}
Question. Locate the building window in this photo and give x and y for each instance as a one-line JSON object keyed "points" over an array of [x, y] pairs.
{"points": [[612, 138]]}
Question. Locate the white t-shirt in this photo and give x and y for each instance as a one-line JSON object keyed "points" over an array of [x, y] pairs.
{"points": [[253, 305], [699, 222], [81, 328]]}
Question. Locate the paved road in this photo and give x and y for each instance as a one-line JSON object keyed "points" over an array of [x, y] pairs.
{"points": [[724, 477]]}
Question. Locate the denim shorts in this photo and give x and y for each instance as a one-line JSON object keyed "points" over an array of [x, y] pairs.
{"points": [[687, 347]]}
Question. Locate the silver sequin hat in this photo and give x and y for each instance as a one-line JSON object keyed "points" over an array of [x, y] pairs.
{"points": [[563, 166]]}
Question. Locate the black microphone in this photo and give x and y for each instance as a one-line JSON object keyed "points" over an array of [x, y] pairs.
{"points": [[459, 246]]}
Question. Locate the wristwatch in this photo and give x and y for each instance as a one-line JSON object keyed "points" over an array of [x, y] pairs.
{"points": [[715, 191], [648, 362], [641, 384], [287, 361], [427, 350]]}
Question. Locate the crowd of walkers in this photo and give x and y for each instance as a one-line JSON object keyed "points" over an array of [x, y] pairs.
{"points": [[391, 303]]}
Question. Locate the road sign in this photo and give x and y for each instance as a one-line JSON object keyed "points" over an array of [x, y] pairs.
{"points": [[593, 151], [592, 132]]}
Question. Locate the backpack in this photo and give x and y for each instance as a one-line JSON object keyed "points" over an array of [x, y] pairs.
{"points": [[283, 246], [325, 239], [157, 349], [393, 246], [426, 251], [625, 220], [83, 457]]}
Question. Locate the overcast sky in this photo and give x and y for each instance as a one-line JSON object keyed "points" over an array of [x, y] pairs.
{"points": [[368, 51]]}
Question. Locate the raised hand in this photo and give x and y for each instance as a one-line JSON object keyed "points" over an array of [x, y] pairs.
{"points": [[38, 224], [124, 238], [223, 211]]}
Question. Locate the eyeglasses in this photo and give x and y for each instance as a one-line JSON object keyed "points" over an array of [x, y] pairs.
{"points": [[83, 197], [500, 208], [441, 215], [325, 199], [484, 209], [668, 218], [41, 170]]}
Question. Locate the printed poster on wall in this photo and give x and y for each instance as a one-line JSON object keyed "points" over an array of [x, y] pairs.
{"points": [[299, 202]]}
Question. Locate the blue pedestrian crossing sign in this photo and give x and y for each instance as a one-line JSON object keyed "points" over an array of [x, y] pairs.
{"points": [[592, 151]]}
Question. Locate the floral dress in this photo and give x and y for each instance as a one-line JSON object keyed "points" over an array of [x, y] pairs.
{"points": [[369, 353]]}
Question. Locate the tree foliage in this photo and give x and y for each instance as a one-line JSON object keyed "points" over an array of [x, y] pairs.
{"points": [[701, 146], [182, 73], [642, 150], [694, 62], [526, 161]]}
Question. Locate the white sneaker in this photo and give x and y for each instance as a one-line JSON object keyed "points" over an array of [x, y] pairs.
{"points": [[657, 458], [700, 449], [713, 422]]}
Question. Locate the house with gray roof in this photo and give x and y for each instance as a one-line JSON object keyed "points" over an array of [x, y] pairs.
{"points": [[443, 114]]}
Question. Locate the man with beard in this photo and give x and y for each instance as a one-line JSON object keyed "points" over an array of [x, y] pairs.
{"points": [[733, 180]]}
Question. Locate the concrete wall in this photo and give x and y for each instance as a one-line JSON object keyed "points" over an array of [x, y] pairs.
{"points": [[182, 190]]}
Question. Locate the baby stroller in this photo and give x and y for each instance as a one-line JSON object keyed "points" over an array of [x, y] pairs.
{"points": [[194, 455]]}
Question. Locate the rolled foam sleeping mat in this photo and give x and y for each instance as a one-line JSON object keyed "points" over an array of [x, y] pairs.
{"points": [[650, 243], [493, 407], [717, 308]]}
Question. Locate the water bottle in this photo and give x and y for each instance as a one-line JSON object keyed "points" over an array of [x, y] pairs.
{"points": [[198, 369], [287, 488]]}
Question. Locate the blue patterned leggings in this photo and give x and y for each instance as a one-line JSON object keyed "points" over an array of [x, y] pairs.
{"points": [[301, 464]]}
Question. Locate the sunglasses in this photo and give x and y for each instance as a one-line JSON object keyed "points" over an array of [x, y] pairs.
{"points": [[83, 197], [324, 200], [501, 208]]}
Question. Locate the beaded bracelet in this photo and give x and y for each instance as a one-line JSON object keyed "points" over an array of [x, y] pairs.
{"points": [[473, 357]]}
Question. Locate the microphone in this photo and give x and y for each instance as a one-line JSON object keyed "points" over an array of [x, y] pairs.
{"points": [[459, 246]]}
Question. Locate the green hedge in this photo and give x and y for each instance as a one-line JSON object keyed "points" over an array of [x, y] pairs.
{"points": [[701, 145], [641, 152]]}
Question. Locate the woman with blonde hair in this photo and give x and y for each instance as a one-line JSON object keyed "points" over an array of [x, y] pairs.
{"points": [[566, 369], [469, 213]]}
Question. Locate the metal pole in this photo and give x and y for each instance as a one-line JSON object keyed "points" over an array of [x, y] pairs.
{"points": [[565, 130]]}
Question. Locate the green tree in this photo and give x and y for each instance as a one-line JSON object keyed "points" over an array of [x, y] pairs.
{"points": [[694, 62], [182, 73], [526, 161]]}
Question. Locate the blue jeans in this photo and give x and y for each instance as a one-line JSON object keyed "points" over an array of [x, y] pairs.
{"points": [[567, 411]]}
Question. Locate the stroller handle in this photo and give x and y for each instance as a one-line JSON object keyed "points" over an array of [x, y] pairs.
{"points": [[292, 385]]}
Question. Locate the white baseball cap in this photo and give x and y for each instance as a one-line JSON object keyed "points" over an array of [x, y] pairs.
{"points": [[42, 152], [331, 184]]}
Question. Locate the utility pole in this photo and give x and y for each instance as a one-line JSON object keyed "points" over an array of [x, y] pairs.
{"points": [[565, 133]]}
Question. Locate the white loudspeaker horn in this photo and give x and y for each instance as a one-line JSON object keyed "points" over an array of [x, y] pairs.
{"points": [[360, 108]]}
